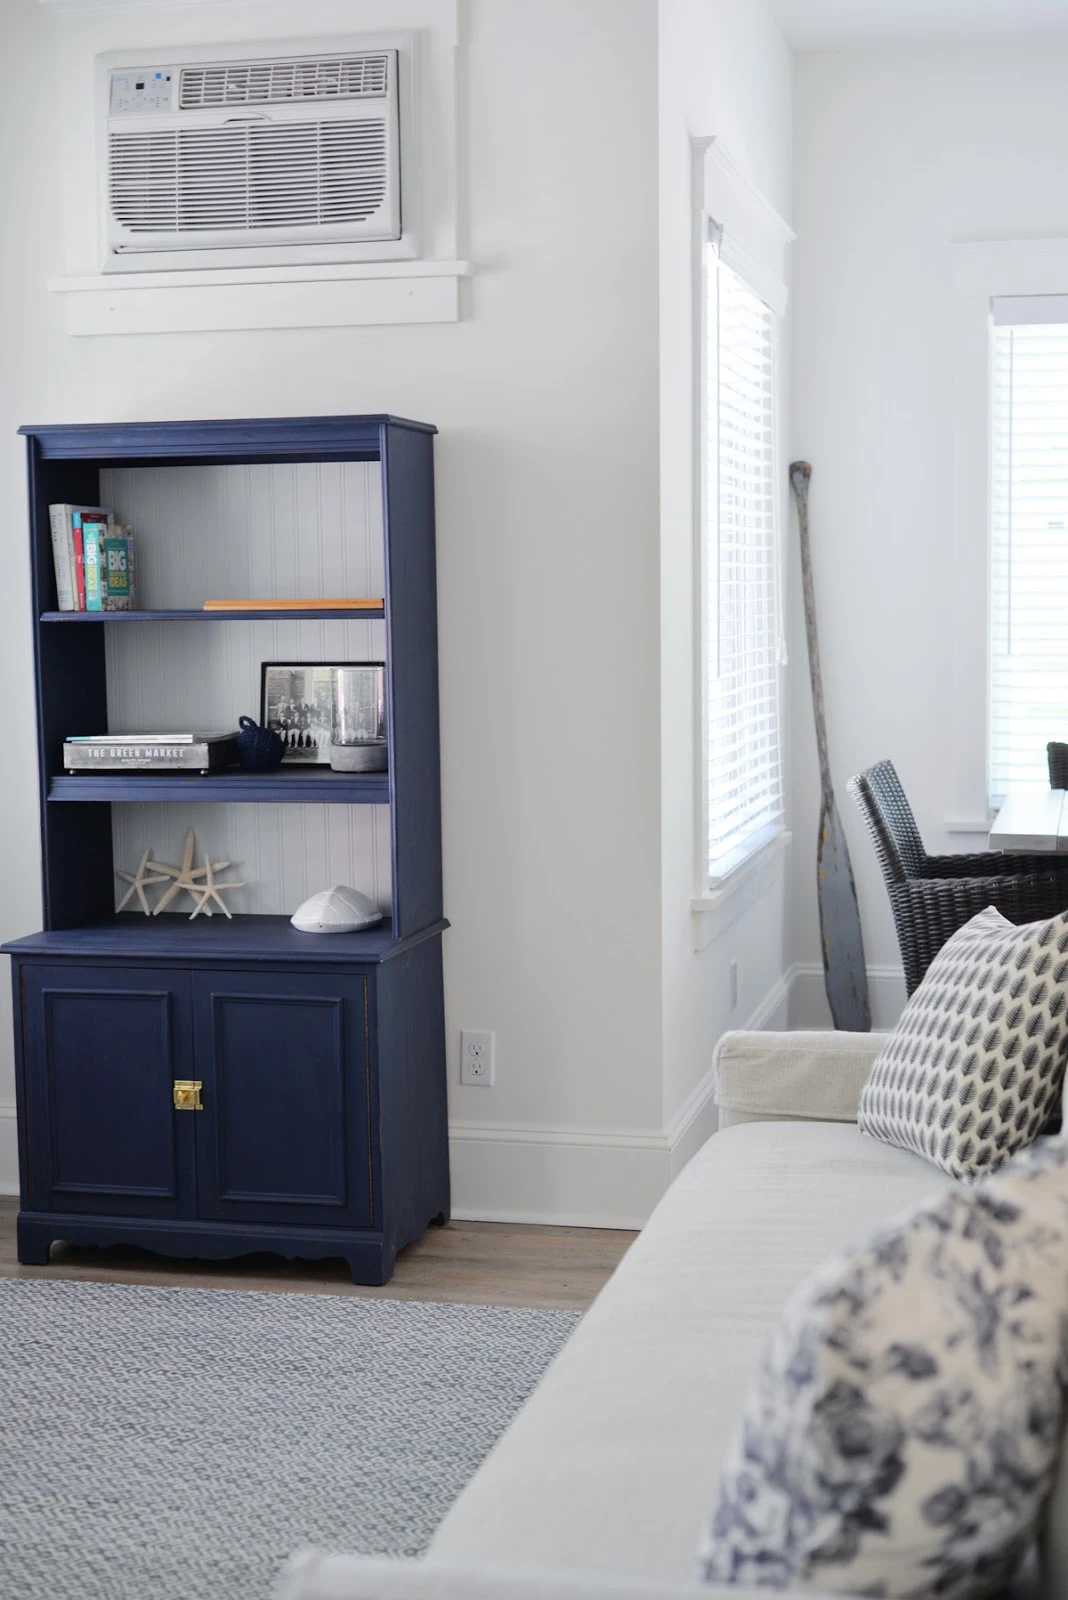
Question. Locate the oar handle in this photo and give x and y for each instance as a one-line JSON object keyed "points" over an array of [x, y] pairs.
{"points": [[800, 478]]}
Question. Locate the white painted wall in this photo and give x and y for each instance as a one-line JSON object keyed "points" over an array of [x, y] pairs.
{"points": [[724, 72], [26, 349], [899, 152], [546, 397]]}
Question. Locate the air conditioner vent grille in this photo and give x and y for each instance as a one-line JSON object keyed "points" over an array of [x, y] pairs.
{"points": [[248, 176], [261, 83]]}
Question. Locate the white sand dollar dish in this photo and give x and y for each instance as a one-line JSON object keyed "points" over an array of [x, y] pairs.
{"points": [[336, 910]]}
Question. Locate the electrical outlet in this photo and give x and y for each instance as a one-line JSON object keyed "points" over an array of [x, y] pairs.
{"points": [[734, 985], [476, 1058]]}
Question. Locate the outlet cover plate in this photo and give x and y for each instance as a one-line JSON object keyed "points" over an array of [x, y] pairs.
{"points": [[476, 1058]]}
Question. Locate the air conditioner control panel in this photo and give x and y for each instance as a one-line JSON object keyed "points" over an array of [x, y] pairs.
{"points": [[139, 92]]}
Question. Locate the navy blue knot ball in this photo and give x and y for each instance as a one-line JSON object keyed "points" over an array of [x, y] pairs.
{"points": [[258, 749]]}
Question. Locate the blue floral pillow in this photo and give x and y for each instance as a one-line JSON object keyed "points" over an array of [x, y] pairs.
{"points": [[905, 1427]]}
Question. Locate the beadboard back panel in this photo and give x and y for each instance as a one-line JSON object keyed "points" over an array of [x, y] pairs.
{"points": [[307, 530], [282, 853]]}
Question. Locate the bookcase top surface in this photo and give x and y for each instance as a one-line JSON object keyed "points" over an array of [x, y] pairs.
{"points": [[234, 438], [242, 939]]}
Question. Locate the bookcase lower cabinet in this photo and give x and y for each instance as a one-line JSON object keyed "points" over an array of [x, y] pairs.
{"points": [[210, 1112]]}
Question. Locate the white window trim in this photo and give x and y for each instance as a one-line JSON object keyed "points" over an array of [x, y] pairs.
{"points": [[327, 295], [755, 243], [718, 909], [981, 274]]}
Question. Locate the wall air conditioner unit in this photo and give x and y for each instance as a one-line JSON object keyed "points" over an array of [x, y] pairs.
{"points": [[252, 160]]}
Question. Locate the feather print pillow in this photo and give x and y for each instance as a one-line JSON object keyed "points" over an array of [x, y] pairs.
{"points": [[973, 1069]]}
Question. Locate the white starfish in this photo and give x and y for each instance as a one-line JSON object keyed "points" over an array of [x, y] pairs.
{"points": [[185, 876], [139, 881], [212, 891]]}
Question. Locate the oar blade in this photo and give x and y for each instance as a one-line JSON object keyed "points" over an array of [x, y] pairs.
{"points": [[844, 970]]}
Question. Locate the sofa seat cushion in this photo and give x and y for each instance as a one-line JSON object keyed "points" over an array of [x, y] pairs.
{"points": [[614, 1461]]}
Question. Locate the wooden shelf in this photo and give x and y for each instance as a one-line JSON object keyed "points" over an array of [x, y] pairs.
{"points": [[297, 785], [174, 937], [368, 614]]}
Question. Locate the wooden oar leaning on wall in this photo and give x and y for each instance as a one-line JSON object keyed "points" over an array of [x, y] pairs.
{"points": [[844, 972]]}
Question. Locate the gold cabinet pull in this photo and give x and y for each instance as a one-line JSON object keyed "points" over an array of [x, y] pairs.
{"points": [[187, 1094]]}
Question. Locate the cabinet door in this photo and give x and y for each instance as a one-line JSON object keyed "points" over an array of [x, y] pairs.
{"points": [[102, 1050], [285, 1134]]}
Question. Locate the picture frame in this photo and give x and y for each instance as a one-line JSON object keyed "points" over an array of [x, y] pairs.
{"points": [[297, 701]]}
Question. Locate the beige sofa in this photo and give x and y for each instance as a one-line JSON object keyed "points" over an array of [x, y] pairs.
{"points": [[602, 1483]]}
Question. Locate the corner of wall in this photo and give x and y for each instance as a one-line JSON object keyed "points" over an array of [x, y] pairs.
{"points": [[807, 998], [724, 72]]}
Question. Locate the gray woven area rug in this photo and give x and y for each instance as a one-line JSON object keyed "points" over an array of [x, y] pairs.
{"points": [[177, 1444]]}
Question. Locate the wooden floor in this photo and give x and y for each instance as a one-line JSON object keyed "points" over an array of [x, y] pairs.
{"points": [[477, 1263]]}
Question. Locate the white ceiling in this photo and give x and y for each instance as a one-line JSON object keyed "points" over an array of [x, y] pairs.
{"points": [[811, 24]]}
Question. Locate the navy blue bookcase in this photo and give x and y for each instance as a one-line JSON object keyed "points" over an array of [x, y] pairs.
{"points": [[215, 1088]]}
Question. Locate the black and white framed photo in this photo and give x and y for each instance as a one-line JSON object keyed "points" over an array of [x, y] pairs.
{"points": [[299, 701]]}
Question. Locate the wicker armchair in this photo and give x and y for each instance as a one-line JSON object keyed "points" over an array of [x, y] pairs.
{"points": [[1057, 756], [932, 896]]}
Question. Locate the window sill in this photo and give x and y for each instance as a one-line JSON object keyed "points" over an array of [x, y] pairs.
{"points": [[225, 298], [714, 912], [970, 824]]}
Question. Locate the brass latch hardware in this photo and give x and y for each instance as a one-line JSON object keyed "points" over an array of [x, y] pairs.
{"points": [[187, 1094]]}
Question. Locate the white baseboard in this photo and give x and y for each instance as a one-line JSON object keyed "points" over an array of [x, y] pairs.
{"points": [[693, 1124], [575, 1177], [9, 1149], [592, 1177], [586, 1177], [697, 1119], [808, 1008]]}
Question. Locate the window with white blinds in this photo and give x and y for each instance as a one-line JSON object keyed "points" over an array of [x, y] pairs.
{"points": [[741, 622], [1029, 540]]}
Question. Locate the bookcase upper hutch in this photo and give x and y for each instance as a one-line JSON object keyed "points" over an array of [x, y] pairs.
{"points": [[208, 1088]]}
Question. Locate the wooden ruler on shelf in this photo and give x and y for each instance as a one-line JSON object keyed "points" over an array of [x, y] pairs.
{"points": [[293, 605]]}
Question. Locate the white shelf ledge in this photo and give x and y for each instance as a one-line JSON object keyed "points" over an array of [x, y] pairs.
{"points": [[224, 298], [76, 7]]}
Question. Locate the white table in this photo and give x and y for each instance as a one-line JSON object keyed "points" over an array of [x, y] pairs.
{"points": [[1032, 820]]}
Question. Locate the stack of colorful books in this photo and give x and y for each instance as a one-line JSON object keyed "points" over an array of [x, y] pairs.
{"points": [[94, 560]]}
